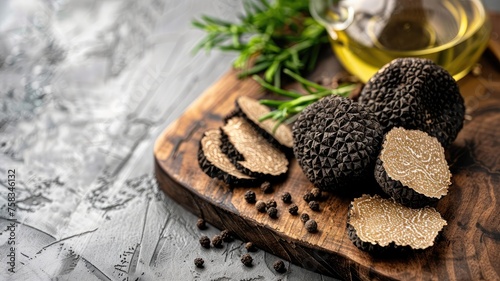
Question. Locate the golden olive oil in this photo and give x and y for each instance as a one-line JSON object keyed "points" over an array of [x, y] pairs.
{"points": [[453, 34]]}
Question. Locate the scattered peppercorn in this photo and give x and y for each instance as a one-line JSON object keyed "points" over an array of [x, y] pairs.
{"points": [[308, 197], [247, 260], [261, 206], [316, 192], [279, 266], [272, 212], [226, 235], [217, 241], [311, 226], [293, 209], [250, 247], [271, 203], [286, 197], [266, 187], [314, 205], [250, 196], [199, 262], [205, 241], [304, 217], [201, 224]]}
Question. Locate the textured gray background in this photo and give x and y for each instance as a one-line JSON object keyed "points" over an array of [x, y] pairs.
{"points": [[86, 87]]}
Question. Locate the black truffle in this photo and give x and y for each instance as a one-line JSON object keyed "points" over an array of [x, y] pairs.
{"points": [[250, 152], [416, 93], [251, 109], [412, 168], [336, 142], [216, 164], [381, 225]]}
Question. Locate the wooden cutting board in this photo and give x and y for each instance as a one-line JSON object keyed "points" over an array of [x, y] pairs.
{"points": [[468, 250]]}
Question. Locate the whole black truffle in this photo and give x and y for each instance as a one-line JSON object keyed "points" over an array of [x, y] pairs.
{"points": [[416, 93], [336, 142]]}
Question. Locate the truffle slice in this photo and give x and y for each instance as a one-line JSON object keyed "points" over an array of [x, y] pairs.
{"points": [[216, 164], [250, 152], [252, 110], [412, 168], [416, 93], [336, 142], [376, 224]]}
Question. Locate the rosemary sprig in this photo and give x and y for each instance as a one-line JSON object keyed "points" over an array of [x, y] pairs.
{"points": [[286, 110], [274, 36]]}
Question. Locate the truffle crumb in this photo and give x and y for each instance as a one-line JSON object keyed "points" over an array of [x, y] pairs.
{"points": [[217, 241], [316, 192], [272, 212], [250, 247], [308, 197], [266, 187], [314, 205], [261, 206], [293, 210], [226, 235], [286, 197], [201, 224], [311, 226], [304, 217], [250, 196], [199, 262], [271, 203], [279, 266], [205, 241], [247, 260]]}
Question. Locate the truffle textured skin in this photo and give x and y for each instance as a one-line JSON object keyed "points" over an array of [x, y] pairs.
{"points": [[336, 142], [416, 93]]}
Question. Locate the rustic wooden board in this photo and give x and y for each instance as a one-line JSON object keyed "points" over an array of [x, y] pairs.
{"points": [[468, 250]]}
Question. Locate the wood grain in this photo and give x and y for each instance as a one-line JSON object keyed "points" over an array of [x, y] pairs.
{"points": [[468, 250]]}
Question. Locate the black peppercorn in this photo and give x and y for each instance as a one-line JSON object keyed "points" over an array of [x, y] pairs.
{"points": [[286, 197], [250, 247], [226, 235], [250, 196], [205, 241], [271, 203], [199, 262], [304, 217], [217, 241], [261, 206], [247, 260], [311, 226], [293, 209], [266, 187], [201, 224], [316, 192], [314, 205], [279, 266], [272, 212], [308, 197]]}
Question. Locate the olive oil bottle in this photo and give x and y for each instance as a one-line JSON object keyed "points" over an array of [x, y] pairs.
{"points": [[452, 33]]}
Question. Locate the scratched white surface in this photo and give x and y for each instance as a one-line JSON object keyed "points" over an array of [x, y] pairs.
{"points": [[86, 87]]}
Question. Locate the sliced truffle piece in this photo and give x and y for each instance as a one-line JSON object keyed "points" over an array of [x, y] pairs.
{"points": [[336, 143], [380, 225], [252, 110], [412, 168], [250, 152], [416, 93], [216, 164]]}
